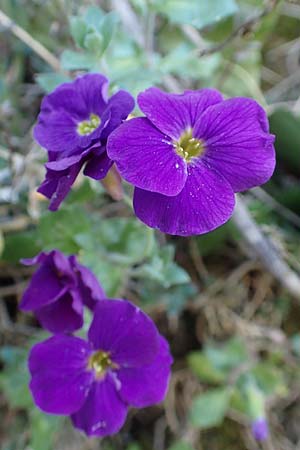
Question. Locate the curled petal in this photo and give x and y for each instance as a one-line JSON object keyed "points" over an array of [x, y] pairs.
{"points": [[49, 283], [64, 315]]}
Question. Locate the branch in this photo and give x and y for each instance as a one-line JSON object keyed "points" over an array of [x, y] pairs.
{"points": [[241, 30], [264, 249], [130, 20], [25, 37]]}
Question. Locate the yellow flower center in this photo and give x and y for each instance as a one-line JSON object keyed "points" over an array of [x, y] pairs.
{"points": [[99, 362], [189, 147], [86, 127]]}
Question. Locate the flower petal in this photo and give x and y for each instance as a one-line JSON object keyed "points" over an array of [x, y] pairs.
{"points": [[146, 158], [60, 382], [238, 143], [120, 105], [90, 289], [144, 386], [126, 332], [172, 114], [57, 184], [103, 412], [57, 131], [98, 165], [49, 282], [63, 316], [93, 88], [205, 203]]}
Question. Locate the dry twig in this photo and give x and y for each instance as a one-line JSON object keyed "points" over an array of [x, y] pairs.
{"points": [[244, 28], [25, 37], [265, 251]]}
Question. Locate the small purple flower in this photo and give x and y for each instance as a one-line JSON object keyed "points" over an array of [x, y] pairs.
{"points": [[124, 362], [189, 155], [73, 125], [58, 291], [260, 429]]}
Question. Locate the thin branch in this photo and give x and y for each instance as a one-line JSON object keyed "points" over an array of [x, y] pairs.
{"points": [[284, 86], [15, 224], [25, 37], [264, 249], [244, 28], [130, 20], [276, 206]]}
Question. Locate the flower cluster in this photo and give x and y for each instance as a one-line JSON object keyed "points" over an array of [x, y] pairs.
{"points": [[73, 125], [124, 361], [186, 158]]}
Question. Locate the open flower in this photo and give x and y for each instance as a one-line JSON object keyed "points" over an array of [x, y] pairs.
{"points": [[58, 291], [189, 155], [73, 125], [124, 362]]}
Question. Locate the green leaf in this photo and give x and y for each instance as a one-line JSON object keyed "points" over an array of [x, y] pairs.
{"points": [[111, 276], [60, 230], [93, 42], [209, 408], [42, 429], [124, 240], [134, 446], [107, 28], [71, 60], [14, 378], [181, 446], [214, 241], [162, 269], [228, 356], [20, 245], [79, 29], [295, 343], [195, 12], [204, 369], [270, 379], [112, 247], [1, 243], [93, 16], [198, 69], [286, 127], [49, 81]]}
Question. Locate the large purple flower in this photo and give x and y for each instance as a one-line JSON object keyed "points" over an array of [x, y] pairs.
{"points": [[58, 291], [189, 155], [124, 362], [73, 125]]}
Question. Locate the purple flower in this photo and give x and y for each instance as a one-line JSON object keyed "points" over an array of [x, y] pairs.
{"points": [[73, 125], [124, 362], [189, 155], [58, 291], [260, 429]]}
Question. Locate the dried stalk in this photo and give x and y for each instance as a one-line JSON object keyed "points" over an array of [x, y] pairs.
{"points": [[25, 37], [265, 251]]}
